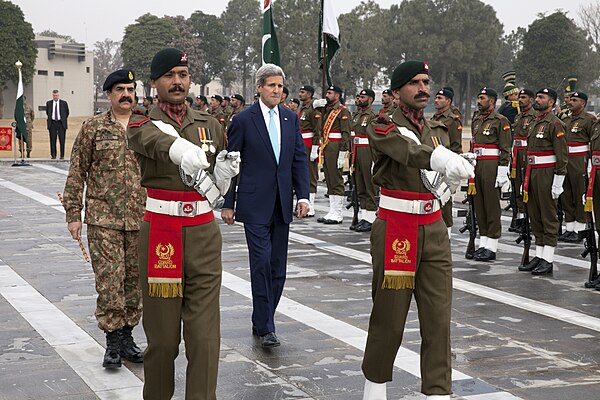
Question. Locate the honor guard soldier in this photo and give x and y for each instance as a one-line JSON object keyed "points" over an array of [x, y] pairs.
{"points": [[510, 108], [310, 129], [226, 106], [216, 111], [387, 100], [523, 121], [543, 182], [114, 206], [362, 161], [444, 114], [334, 148], [593, 188], [410, 249], [578, 130], [237, 105], [181, 153], [563, 109], [491, 144]]}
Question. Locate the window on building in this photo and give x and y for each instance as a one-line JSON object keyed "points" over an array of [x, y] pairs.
{"points": [[87, 69], [41, 108], [42, 72], [207, 90], [59, 73]]}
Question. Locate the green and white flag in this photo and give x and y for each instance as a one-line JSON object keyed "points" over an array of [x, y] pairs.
{"points": [[20, 111], [329, 28], [270, 46]]}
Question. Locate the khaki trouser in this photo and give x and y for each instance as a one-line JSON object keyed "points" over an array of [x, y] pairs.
{"points": [[542, 209], [114, 256], [521, 165], [433, 294], [313, 171], [574, 188], [363, 176], [333, 174], [198, 310], [487, 199]]}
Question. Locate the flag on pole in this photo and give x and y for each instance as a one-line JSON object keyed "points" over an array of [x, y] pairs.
{"points": [[270, 46], [329, 35], [20, 111]]}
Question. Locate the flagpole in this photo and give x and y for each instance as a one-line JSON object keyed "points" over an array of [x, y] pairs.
{"points": [[324, 77], [22, 163]]}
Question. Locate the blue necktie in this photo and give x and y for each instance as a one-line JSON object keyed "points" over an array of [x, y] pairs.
{"points": [[273, 134]]}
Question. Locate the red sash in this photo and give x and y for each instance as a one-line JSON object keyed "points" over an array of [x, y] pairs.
{"points": [[165, 244], [589, 204], [528, 170], [401, 239]]}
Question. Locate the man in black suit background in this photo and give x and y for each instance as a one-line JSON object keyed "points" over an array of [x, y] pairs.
{"points": [[57, 111]]}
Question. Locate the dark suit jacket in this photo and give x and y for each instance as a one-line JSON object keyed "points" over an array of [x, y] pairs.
{"points": [[261, 178], [63, 110]]}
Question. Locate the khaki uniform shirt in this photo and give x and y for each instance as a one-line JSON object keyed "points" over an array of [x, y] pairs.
{"points": [[101, 161], [341, 123], [310, 121], [452, 122], [579, 128], [548, 134], [495, 129]]}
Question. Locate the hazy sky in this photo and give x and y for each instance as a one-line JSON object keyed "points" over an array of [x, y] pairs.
{"points": [[91, 21]]}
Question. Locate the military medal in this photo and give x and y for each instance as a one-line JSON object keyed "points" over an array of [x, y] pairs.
{"points": [[212, 149], [575, 128], [206, 139], [364, 122], [540, 134], [205, 147], [486, 131], [303, 117]]}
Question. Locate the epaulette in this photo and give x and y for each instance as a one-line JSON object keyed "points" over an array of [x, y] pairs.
{"points": [[436, 124], [135, 124], [383, 119], [455, 117], [384, 130]]}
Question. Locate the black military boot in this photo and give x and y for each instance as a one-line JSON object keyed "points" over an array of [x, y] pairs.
{"points": [[112, 359], [543, 268], [366, 227], [531, 265], [128, 349], [485, 255]]}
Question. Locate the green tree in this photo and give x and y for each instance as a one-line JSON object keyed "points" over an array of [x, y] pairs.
{"points": [[16, 44], [107, 59], [188, 41], [242, 20], [50, 33], [144, 39], [211, 31], [553, 48]]}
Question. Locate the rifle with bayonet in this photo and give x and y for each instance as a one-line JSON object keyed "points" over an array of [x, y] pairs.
{"points": [[591, 247], [525, 234], [470, 221]]}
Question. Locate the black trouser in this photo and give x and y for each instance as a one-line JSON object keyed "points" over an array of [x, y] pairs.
{"points": [[56, 129]]}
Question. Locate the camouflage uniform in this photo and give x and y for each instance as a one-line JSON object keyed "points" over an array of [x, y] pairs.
{"points": [[29, 117], [114, 207]]}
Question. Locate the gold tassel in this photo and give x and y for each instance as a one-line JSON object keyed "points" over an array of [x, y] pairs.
{"points": [[398, 282], [525, 197], [513, 173], [471, 190], [165, 290], [589, 205]]}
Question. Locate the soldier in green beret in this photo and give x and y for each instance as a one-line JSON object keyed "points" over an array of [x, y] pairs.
{"points": [[180, 242], [387, 100], [216, 111], [310, 129], [491, 143], [412, 165], [114, 204]]}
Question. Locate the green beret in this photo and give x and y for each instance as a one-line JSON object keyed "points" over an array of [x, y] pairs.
{"points": [[295, 100], [406, 71], [367, 92], [527, 92], [336, 89], [580, 95], [119, 76], [217, 98], [165, 60], [239, 97], [308, 88], [446, 92], [548, 91], [488, 92], [388, 92]]}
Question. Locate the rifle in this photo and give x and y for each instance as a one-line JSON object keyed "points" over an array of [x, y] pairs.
{"points": [[591, 247], [353, 196], [525, 237], [512, 205], [470, 220], [561, 215]]}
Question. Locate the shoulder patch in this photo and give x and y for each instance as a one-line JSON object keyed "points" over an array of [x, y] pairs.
{"points": [[344, 117], [221, 119], [134, 124], [384, 130], [560, 133], [317, 115], [506, 127]]}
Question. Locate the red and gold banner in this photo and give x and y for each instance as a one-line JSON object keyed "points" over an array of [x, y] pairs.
{"points": [[6, 138]]}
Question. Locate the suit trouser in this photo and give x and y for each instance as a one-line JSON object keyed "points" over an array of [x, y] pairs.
{"points": [[333, 174], [363, 162], [542, 208], [199, 311], [57, 130], [433, 294], [487, 199], [313, 171], [267, 250], [574, 188]]}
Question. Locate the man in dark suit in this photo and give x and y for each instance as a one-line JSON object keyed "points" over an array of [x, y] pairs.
{"points": [[274, 165], [57, 111]]}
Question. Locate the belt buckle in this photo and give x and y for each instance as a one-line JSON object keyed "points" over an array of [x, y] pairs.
{"points": [[356, 140], [426, 207], [478, 151], [596, 160], [187, 209], [531, 160]]}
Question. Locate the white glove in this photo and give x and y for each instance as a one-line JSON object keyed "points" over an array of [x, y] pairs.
{"points": [[319, 103], [501, 176], [451, 164], [583, 199], [557, 186], [227, 165], [589, 168], [190, 157], [341, 159], [314, 152]]}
